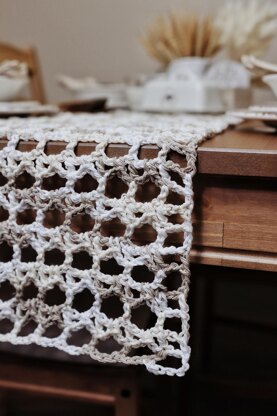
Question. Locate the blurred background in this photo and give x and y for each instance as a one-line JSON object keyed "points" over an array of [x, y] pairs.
{"points": [[98, 38]]}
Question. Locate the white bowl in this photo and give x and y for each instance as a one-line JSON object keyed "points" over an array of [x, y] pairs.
{"points": [[271, 81], [11, 87]]}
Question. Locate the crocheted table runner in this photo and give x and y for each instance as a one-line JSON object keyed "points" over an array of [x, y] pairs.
{"points": [[57, 279]]}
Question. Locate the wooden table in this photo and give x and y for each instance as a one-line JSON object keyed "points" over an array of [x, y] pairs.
{"points": [[236, 200], [235, 228], [235, 222]]}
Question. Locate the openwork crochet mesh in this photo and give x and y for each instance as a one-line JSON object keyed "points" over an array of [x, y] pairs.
{"points": [[89, 263]]}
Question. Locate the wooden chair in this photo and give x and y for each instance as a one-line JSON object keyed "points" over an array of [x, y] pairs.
{"points": [[29, 56]]}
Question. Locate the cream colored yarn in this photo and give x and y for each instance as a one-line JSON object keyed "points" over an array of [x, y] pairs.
{"points": [[164, 343]]}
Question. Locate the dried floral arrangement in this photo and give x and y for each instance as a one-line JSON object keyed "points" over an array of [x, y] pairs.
{"points": [[180, 35], [240, 27], [246, 26]]}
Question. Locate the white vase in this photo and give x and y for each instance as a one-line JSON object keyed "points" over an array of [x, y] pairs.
{"points": [[188, 68]]}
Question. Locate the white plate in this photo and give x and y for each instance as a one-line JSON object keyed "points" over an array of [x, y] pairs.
{"points": [[267, 117], [272, 109], [26, 108]]}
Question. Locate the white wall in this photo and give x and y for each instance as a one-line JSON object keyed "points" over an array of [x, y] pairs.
{"points": [[88, 37]]}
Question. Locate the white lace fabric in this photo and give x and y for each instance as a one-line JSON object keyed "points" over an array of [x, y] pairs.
{"points": [[41, 195]]}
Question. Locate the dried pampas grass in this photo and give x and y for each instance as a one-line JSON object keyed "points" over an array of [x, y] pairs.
{"points": [[247, 26], [180, 35]]}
